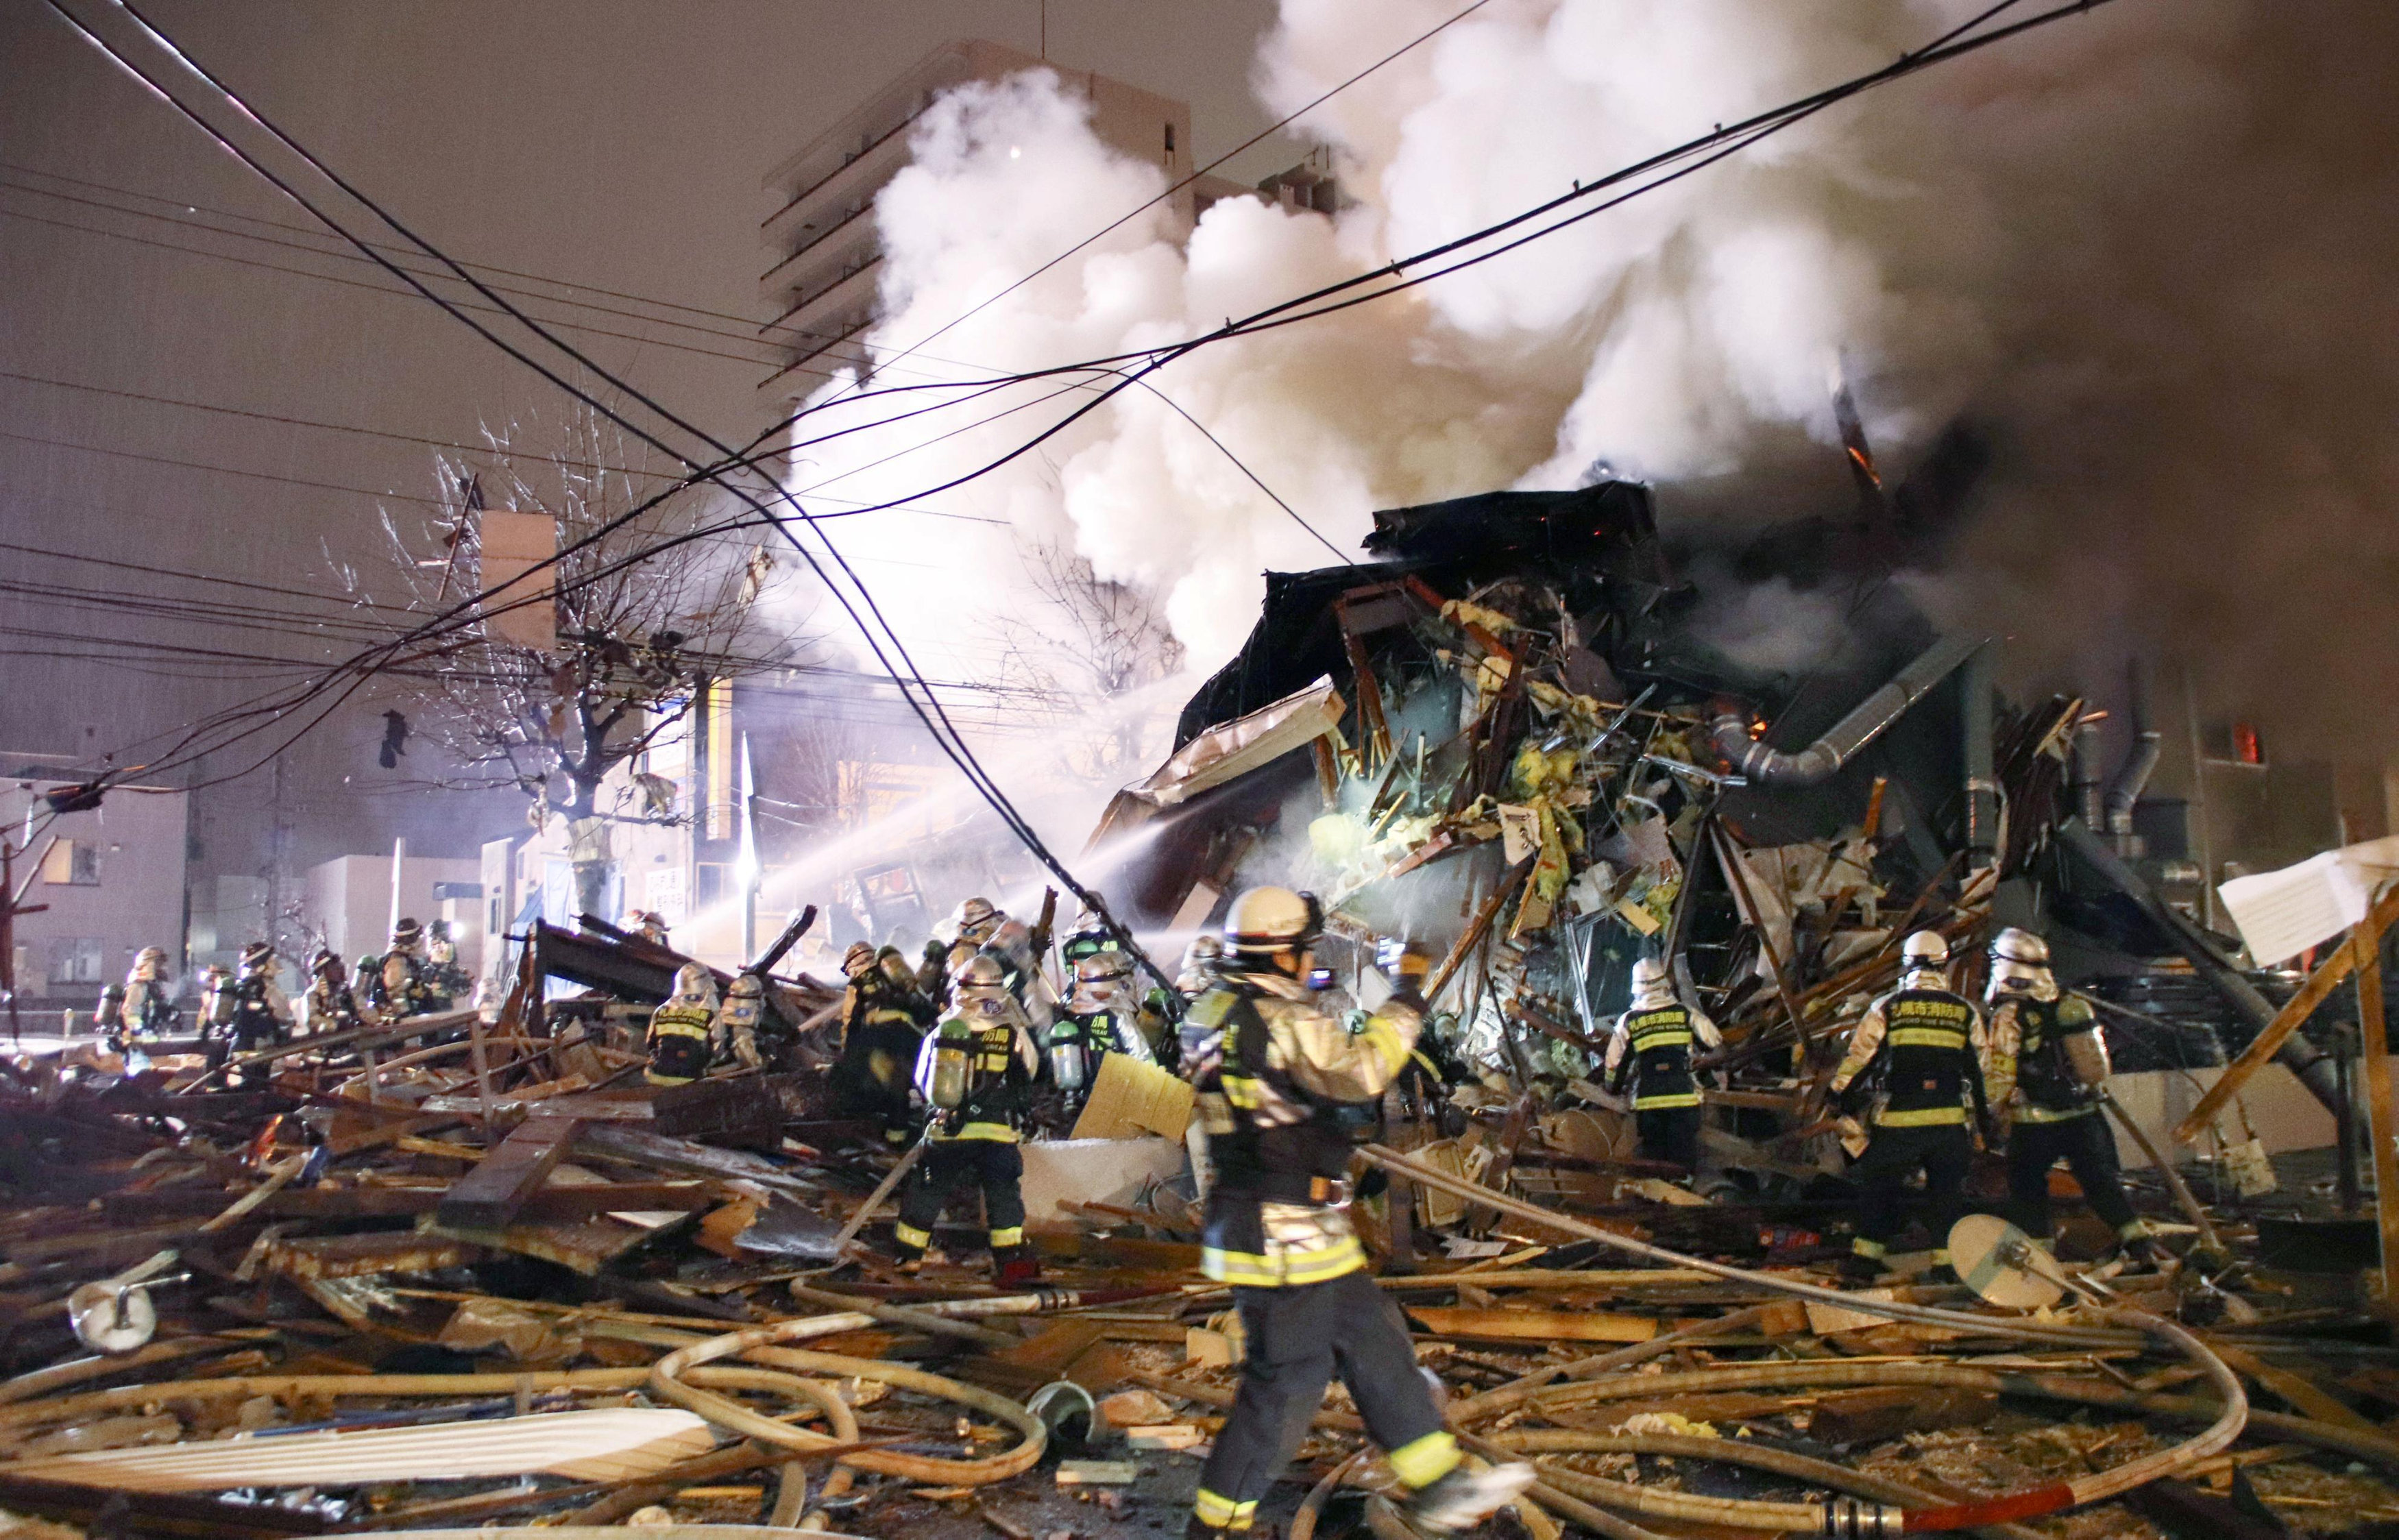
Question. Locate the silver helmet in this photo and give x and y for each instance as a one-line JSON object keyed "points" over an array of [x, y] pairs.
{"points": [[1653, 985], [695, 985], [2020, 964], [977, 918]]}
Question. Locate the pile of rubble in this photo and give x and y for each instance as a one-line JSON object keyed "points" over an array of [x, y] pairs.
{"points": [[482, 1268]]}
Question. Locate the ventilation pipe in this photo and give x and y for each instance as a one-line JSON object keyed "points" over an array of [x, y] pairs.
{"points": [[1817, 763], [2124, 791], [1982, 777]]}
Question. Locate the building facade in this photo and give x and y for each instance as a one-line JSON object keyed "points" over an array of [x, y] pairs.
{"points": [[821, 287], [103, 884]]}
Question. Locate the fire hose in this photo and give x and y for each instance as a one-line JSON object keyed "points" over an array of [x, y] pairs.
{"points": [[1847, 1517]]}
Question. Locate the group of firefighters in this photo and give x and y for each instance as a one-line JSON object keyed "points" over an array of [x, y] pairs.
{"points": [[245, 1009], [972, 1039]]}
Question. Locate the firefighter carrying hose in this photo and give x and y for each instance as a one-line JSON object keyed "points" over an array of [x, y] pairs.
{"points": [[1916, 1056], [1651, 1047], [2047, 1062], [975, 1072], [1274, 1070], [683, 1030]]}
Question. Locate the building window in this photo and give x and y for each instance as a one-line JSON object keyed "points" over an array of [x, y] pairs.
{"points": [[72, 863], [1170, 139], [77, 959]]}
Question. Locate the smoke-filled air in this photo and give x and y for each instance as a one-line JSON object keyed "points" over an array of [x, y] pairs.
{"points": [[2137, 256]]}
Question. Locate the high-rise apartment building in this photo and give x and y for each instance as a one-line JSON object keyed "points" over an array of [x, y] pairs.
{"points": [[826, 257]]}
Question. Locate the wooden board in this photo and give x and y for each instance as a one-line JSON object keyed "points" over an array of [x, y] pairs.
{"points": [[615, 1445], [1583, 1325], [1129, 1099], [489, 1197], [2362, 943]]}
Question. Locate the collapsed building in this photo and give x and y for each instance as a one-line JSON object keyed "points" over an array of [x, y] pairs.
{"points": [[1510, 739]]}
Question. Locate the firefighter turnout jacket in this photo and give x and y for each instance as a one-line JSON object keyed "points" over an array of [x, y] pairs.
{"points": [[1652, 1047], [1000, 1063], [1918, 1053], [1274, 1070], [2049, 1054], [680, 1042]]}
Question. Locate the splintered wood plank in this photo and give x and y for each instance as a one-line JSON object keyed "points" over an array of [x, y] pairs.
{"points": [[615, 1445], [1593, 1326], [489, 1197]]}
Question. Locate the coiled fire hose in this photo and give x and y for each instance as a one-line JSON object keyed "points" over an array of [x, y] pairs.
{"points": [[1846, 1516], [688, 1376]]}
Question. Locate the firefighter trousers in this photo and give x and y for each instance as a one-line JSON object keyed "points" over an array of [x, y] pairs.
{"points": [[2089, 1152], [1943, 1152], [1670, 1134], [1297, 1338], [948, 1168]]}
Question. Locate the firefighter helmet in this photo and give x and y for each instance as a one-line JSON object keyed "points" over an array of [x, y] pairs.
{"points": [[856, 960], [2020, 946], [745, 986], [981, 977], [1267, 920], [1925, 949], [407, 934], [695, 985], [257, 956], [328, 964], [977, 918], [2020, 963], [1653, 985]]}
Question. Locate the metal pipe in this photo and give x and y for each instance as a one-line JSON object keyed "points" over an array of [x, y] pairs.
{"points": [[1982, 777], [1817, 761], [2148, 746], [2314, 1067]]}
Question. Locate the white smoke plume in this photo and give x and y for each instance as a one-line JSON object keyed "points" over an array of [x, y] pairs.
{"points": [[2145, 250]]}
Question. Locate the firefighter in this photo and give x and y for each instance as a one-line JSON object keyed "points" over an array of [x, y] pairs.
{"points": [[647, 924], [1101, 1018], [401, 984], [1916, 1057], [140, 1008], [1200, 962], [444, 980], [257, 1013], [883, 1025], [2047, 1062], [1275, 1070], [1090, 937], [216, 1008], [976, 922], [681, 1039], [739, 1019], [975, 1073], [1651, 1047], [330, 1004]]}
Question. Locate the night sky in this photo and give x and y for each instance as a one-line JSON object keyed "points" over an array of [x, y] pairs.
{"points": [[607, 142]]}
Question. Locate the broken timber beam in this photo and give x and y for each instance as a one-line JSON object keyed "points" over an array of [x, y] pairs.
{"points": [[2364, 941], [490, 1196]]}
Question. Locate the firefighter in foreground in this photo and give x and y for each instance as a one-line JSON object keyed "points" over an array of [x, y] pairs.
{"points": [[681, 1035], [1651, 1047], [2047, 1062], [975, 1073], [1274, 1070], [1914, 1058]]}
